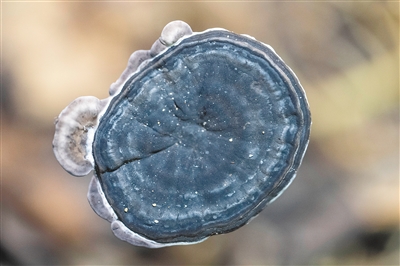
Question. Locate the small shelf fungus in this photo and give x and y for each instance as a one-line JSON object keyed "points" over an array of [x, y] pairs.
{"points": [[199, 134]]}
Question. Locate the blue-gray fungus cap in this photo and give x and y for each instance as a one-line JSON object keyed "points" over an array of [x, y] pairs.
{"points": [[198, 135]]}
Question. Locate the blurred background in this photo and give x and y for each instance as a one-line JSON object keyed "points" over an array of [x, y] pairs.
{"points": [[343, 207]]}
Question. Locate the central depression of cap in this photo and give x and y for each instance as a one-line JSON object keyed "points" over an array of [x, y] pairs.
{"points": [[202, 138]]}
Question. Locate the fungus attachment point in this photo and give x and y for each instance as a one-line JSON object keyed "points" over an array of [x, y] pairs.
{"points": [[98, 201], [200, 133], [75, 127], [135, 60]]}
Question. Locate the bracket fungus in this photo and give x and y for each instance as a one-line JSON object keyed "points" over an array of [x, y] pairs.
{"points": [[199, 134]]}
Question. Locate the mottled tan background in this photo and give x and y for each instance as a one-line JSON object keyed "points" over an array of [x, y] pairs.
{"points": [[343, 207]]}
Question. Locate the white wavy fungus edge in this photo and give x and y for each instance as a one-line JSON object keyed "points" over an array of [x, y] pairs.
{"points": [[100, 205]]}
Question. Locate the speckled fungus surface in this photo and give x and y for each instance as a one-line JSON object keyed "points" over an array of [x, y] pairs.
{"points": [[198, 135]]}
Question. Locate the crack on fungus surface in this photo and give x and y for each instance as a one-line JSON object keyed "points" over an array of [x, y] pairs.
{"points": [[134, 159]]}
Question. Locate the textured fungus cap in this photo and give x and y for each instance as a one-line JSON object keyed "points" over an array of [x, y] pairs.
{"points": [[199, 134]]}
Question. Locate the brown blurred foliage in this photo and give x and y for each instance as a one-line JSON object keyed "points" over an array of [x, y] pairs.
{"points": [[343, 207]]}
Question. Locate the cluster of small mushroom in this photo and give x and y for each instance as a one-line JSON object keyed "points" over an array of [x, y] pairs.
{"points": [[198, 135]]}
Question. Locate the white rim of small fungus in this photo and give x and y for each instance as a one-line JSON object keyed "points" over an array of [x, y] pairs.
{"points": [[80, 116]]}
